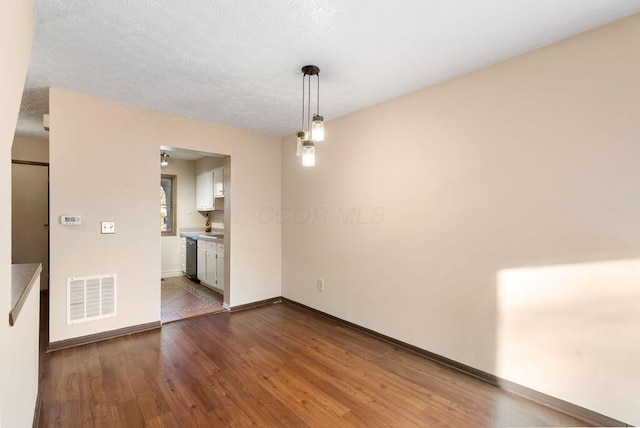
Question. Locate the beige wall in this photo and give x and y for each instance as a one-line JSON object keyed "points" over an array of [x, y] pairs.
{"points": [[208, 163], [416, 205], [573, 331], [30, 149], [86, 182], [16, 34], [187, 215]]}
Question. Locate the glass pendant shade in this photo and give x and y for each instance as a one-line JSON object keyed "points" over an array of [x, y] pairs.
{"points": [[308, 154], [317, 128], [302, 136], [312, 131], [164, 159]]}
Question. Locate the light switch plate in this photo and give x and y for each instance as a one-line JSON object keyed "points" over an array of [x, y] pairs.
{"points": [[108, 227]]}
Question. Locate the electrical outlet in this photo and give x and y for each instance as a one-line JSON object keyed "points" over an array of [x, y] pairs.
{"points": [[320, 284]]}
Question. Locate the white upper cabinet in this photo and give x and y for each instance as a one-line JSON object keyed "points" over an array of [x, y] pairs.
{"points": [[218, 182], [204, 191]]}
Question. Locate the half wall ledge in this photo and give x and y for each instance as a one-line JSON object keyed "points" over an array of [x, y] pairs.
{"points": [[23, 277]]}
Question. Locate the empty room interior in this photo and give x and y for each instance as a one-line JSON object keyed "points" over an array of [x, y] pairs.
{"points": [[413, 213]]}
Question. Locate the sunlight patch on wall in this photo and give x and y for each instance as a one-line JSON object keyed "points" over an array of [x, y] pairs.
{"points": [[573, 332]]}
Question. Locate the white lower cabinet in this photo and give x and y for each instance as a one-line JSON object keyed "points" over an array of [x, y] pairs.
{"points": [[183, 255], [220, 265], [202, 260], [211, 264]]}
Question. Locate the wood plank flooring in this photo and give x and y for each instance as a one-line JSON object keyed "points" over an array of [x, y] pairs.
{"points": [[275, 366], [182, 298]]}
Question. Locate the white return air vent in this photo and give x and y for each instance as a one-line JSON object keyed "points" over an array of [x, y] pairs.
{"points": [[91, 298]]}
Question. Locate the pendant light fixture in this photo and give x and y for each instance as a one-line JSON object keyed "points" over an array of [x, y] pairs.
{"points": [[308, 153], [164, 159], [313, 133]]}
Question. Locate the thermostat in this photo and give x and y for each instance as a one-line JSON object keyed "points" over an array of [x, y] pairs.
{"points": [[70, 220]]}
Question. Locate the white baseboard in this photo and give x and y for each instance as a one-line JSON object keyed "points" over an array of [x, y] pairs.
{"points": [[171, 273]]}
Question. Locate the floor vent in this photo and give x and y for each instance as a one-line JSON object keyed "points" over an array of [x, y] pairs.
{"points": [[91, 298]]}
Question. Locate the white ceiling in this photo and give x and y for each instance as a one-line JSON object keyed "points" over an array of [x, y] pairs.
{"points": [[237, 62]]}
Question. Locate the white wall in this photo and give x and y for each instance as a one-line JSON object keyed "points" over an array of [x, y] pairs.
{"points": [[532, 162], [30, 149], [16, 34], [187, 215], [577, 324], [20, 364], [84, 181]]}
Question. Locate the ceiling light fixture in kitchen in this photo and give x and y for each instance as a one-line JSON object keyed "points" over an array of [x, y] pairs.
{"points": [[314, 131], [164, 159]]}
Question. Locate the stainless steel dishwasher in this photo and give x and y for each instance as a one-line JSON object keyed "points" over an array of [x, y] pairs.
{"points": [[192, 258]]}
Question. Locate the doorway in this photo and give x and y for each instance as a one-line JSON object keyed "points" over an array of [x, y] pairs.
{"points": [[30, 215], [194, 283]]}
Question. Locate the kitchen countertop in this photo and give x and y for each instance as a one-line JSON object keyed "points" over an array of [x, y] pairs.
{"points": [[208, 237], [216, 235], [23, 276]]}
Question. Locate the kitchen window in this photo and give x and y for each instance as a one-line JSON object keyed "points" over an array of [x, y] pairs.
{"points": [[168, 202]]}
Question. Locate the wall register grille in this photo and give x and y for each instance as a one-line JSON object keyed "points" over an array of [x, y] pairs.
{"points": [[90, 298]]}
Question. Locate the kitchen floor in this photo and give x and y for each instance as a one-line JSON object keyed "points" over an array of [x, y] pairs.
{"points": [[182, 298]]}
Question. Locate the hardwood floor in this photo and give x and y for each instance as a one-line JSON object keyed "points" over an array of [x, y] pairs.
{"points": [[182, 298], [273, 366]]}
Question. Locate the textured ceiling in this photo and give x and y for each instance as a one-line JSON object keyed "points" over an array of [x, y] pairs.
{"points": [[237, 62]]}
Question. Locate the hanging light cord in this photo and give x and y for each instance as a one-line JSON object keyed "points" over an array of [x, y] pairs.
{"points": [[309, 109], [302, 129], [318, 95]]}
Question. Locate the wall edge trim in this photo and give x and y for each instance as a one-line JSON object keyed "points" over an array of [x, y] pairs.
{"points": [[37, 410], [171, 273], [99, 337], [265, 302]]}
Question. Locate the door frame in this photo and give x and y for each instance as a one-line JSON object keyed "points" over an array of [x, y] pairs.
{"points": [[43, 164]]}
